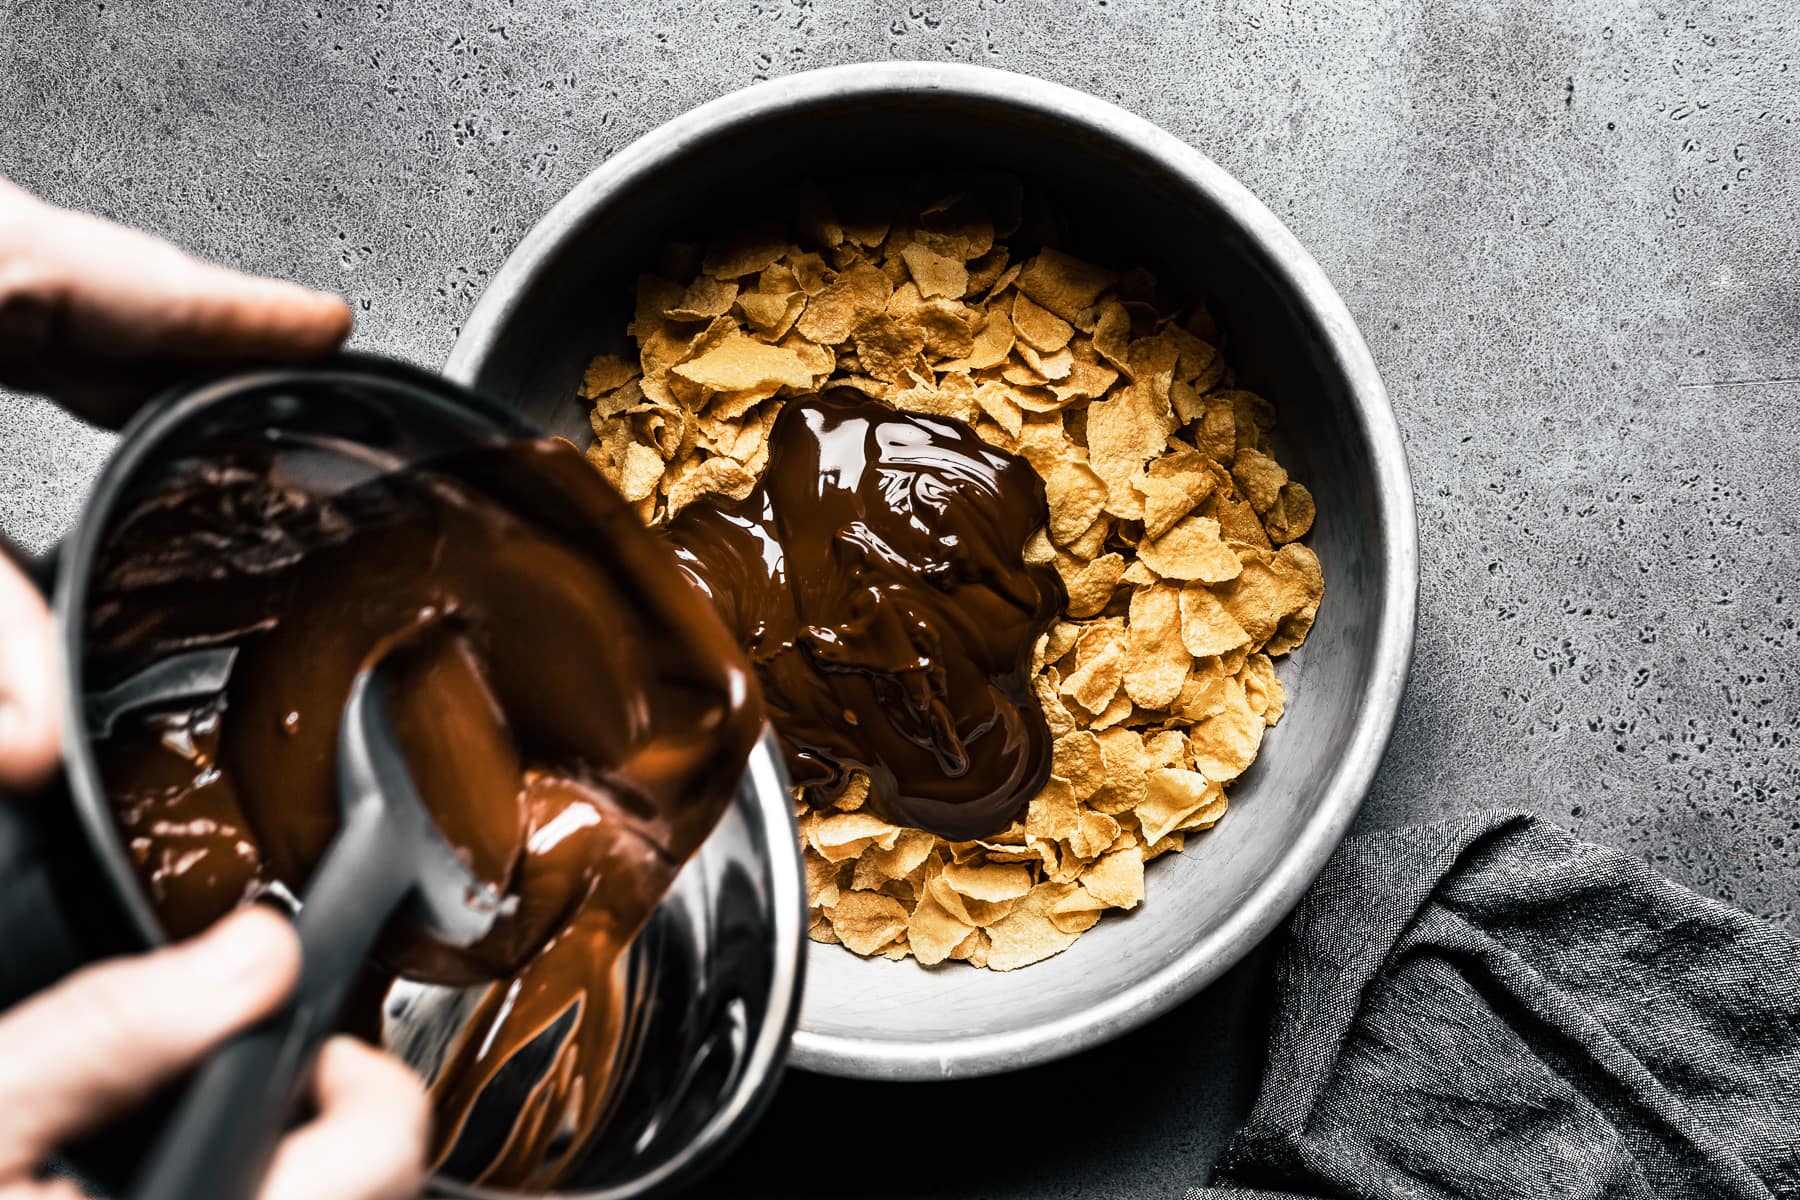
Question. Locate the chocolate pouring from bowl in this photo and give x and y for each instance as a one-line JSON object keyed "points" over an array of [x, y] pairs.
{"points": [[722, 954], [388, 854], [1138, 195]]}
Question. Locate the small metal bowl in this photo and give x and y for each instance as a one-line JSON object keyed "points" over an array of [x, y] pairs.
{"points": [[1132, 194], [714, 977]]}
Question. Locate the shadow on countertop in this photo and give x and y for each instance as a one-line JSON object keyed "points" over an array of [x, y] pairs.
{"points": [[1143, 1117]]}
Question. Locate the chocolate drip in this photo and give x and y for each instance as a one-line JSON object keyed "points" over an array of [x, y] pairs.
{"points": [[581, 737], [875, 577]]}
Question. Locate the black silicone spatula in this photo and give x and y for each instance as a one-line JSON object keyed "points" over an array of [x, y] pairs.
{"points": [[388, 857]]}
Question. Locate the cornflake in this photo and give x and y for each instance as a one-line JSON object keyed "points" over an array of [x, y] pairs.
{"points": [[1175, 530]]}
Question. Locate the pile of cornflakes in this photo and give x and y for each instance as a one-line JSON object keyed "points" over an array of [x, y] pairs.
{"points": [[1172, 526]]}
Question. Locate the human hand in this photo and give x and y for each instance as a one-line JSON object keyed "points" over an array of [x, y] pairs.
{"points": [[101, 1040], [100, 317]]}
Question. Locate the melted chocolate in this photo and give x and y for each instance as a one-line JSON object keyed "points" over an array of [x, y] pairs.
{"points": [[876, 578], [576, 736]]}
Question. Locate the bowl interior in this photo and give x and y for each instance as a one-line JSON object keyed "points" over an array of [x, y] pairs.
{"points": [[1122, 206]]}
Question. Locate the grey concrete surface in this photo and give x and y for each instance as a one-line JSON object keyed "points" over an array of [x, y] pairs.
{"points": [[1568, 231]]}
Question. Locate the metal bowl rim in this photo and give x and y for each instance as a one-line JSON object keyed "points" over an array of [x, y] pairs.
{"points": [[1257, 912]]}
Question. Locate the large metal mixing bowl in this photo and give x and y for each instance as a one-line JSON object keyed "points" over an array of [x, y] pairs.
{"points": [[1136, 195]]}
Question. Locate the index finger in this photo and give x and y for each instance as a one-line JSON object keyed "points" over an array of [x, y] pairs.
{"points": [[104, 1037], [100, 316], [130, 295]]}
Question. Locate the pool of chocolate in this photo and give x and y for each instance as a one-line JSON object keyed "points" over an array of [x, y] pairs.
{"points": [[875, 578]]}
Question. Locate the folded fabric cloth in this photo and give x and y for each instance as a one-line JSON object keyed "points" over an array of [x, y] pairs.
{"points": [[1493, 1009]]}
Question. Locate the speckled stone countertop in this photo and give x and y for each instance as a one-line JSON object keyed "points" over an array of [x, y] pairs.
{"points": [[1570, 240]]}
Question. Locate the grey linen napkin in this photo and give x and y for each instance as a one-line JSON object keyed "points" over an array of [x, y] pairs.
{"points": [[1493, 1009]]}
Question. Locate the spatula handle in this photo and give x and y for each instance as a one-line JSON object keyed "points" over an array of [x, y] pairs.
{"points": [[220, 1141]]}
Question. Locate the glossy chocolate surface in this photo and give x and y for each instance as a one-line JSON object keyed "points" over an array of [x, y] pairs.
{"points": [[875, 577]]}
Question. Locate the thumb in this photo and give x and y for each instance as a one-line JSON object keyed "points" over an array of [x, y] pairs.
{"points": [[28, 686], [106, 1036]]}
